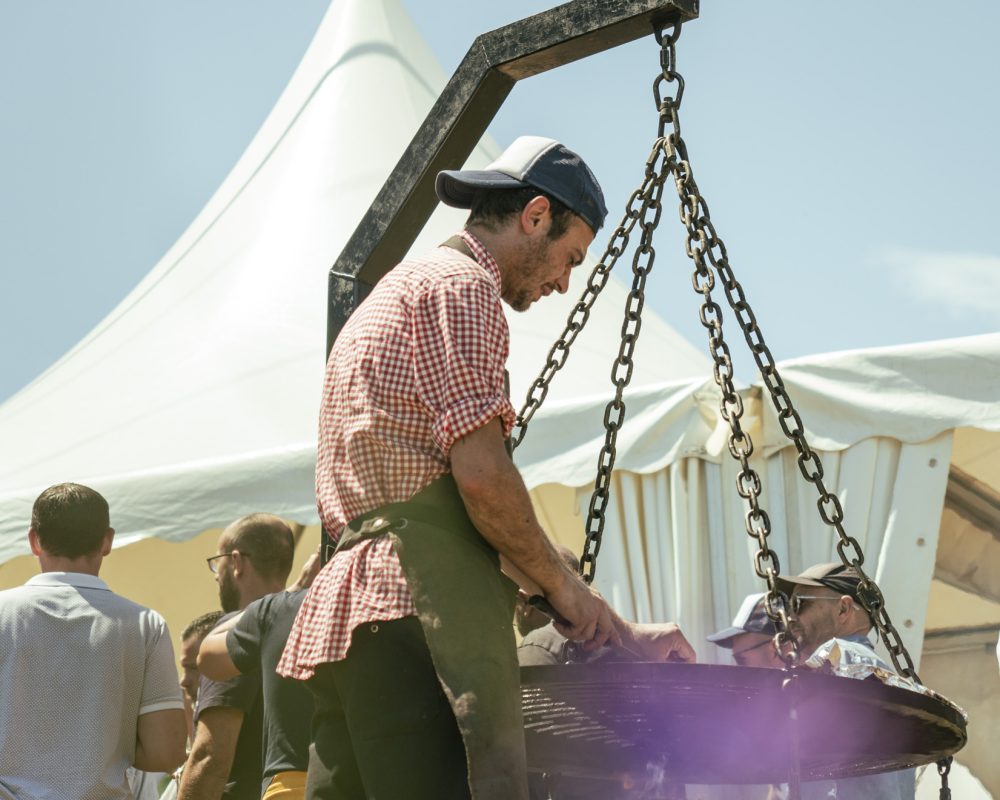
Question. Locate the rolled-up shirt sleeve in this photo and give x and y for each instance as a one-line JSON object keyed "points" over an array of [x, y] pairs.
{"points": [[461, 343]]}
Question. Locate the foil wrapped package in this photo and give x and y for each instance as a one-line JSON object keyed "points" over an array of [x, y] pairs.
{"points": [[850, 659]]}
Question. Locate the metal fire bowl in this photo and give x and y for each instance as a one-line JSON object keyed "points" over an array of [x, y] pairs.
{"points": [[705, 724]]}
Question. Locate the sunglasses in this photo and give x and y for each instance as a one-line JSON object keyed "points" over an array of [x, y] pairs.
{"points": [[740, 657], [798, 600]]}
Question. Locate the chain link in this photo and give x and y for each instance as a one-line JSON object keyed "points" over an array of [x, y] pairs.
{"points": [[944, 768]]}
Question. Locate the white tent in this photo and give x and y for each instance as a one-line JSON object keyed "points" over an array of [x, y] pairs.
{"points": [[196, 399]]}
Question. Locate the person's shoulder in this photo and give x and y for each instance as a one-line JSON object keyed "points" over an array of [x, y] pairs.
{"points": [[148, 616], [259, 615], [443, 266], [14, 600]]}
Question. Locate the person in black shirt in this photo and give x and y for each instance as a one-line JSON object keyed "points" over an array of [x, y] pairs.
{"points": [[253, 559], [252, 644]]}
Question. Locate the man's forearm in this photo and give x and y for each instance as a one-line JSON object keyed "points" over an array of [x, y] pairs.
{"points": [[500, 508], [208, 765], [498, 504], [202, 779]]}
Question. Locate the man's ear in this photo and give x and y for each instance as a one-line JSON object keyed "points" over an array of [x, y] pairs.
{"points": [[36, 546], [847, 605], [534, 214], [109, 538]]}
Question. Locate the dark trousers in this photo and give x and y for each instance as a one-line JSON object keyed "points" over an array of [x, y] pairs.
{"points": [[383, 728]]}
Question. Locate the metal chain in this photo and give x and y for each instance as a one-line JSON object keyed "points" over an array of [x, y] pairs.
{"points": [[748, 483], [943, 768], [703, 243], [650, 193], [578, 317]]}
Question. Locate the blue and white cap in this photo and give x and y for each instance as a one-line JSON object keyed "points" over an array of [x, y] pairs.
{"points": [[751, 618], [531, 161]]}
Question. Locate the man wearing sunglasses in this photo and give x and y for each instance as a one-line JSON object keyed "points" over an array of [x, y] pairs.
{"points": [[824, 605]]}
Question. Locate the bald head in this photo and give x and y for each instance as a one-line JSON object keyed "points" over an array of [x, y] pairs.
{"points": [[266, 540]]}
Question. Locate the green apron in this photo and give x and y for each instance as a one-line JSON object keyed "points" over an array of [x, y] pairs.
{"points": [[465, 605]]}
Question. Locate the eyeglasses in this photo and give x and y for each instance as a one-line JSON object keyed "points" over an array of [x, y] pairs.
{"points": [[740, 657], [797, 601], [214, 567]]}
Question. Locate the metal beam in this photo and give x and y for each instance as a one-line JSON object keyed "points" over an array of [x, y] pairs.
{"points": [[494, 63]]}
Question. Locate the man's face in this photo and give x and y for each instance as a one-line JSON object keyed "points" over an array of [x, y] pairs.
{"points": [[544, 264], [189, 667], [816, 621], [756, 650]]}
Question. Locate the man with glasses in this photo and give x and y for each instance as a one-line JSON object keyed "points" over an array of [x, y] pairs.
{"points": [[253, 559], [751, 636]]}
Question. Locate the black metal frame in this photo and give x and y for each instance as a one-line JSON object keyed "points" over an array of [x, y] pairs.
{"points": [[494, 63]]}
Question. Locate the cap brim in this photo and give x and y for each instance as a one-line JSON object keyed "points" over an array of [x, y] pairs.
{"points": [[790, 583], [456, 188], [722, 637]]}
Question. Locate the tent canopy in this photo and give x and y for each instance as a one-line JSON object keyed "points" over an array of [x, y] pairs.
{"points": [[196, 399]]}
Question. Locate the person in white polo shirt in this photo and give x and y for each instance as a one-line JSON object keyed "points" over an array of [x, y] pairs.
{"points": [[88, 685]]}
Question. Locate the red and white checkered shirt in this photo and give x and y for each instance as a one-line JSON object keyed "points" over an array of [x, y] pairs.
{"points": [[418, 366]]}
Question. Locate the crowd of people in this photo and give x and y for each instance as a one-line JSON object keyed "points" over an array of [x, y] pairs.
{"points": [[390, 671]]}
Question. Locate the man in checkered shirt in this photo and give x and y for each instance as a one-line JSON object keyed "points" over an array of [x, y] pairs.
{"points": [[405, 637]]}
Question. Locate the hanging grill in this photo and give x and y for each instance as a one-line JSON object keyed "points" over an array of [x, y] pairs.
{"points": [[711, 724]]}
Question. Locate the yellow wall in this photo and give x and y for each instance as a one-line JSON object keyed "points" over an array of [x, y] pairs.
{"points": [[170, 577]]}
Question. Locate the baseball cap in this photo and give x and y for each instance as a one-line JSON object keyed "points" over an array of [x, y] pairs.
{"points": [[531, 161], [834, 576], [751, 618]]}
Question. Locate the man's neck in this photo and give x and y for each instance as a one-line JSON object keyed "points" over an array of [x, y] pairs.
{"points": [[87, 565], [501, 244], [249, 594]]}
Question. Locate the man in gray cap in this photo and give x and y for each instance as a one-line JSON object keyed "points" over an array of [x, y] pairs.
{"points": [[405, 637], [751, 636]]}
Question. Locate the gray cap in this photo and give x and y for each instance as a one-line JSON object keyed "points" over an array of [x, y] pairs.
{"points": [[531, 161], [751, 618]]}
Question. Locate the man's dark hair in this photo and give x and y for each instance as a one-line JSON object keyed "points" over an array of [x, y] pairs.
{"points": [[492, 207], [268, 542], [71, 520], [200, 626]]}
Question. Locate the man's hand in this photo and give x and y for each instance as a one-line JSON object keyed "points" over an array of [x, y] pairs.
{"points": [[656, 641], [591, 619], [308, 573]]}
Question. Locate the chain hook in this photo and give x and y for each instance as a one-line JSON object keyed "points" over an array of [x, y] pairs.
{"points": [[944, 768]]}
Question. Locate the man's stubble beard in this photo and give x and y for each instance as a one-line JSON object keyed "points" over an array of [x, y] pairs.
{"points": [[229, 596], [534, 260]]}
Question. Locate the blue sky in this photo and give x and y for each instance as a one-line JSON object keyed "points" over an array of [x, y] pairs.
{"points": [[849, 161]]}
